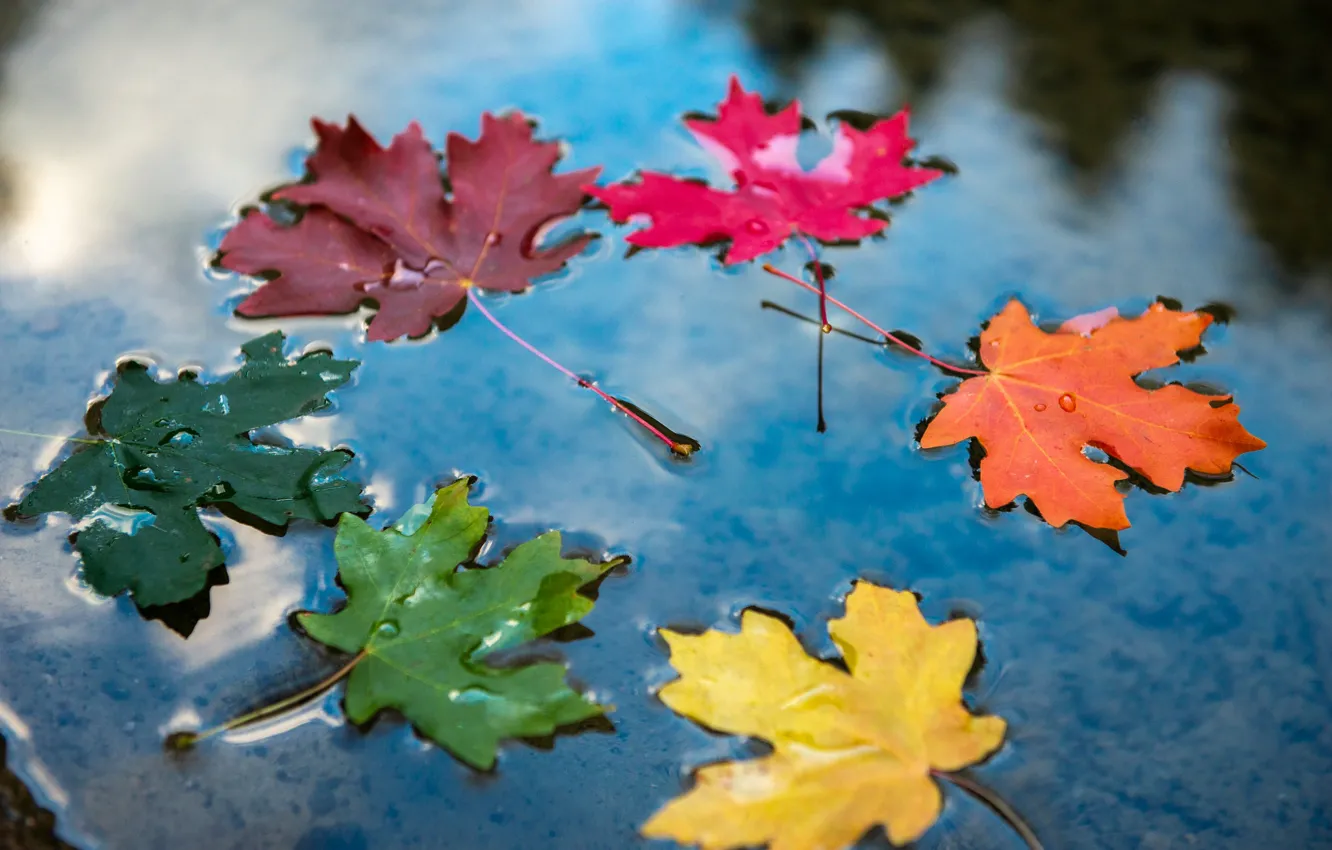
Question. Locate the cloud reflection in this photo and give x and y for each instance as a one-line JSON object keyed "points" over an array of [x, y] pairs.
{"points": [[132, 128]]}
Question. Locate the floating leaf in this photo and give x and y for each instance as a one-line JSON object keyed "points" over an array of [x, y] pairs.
{"points": [[774, 197], [168, 449], [850, 750], [1050, 395], [380, 228], [423, 630]]}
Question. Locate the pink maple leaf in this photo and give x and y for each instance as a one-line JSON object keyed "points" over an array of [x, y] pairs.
{"points": [[774, 198]]}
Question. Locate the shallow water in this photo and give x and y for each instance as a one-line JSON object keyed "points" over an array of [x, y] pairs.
{"points": [[1174, 697]]}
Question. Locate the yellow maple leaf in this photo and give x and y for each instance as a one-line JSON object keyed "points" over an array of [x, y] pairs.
{"points": [[849, 751]]}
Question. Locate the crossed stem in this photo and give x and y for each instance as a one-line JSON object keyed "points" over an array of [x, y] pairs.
{"points": [[818, 276], [888, 335]]}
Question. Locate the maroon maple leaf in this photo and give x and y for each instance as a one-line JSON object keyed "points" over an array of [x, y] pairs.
{"points": [[774, 197], [379, 227]]}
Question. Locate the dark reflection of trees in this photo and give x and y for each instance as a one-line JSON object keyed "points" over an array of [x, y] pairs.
{"points": [[14, 14], [14, 18], [1088, 68], [23, 824]]}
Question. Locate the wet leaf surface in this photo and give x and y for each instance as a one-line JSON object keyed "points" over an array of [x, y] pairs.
{"points": [[774, 196], [162, 451], [378, 225], [1051, 396], [424, 629], [851, 750]]}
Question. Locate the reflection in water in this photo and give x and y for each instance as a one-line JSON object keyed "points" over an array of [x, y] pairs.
{"points": [[1205, 647], [113, 156], [14, 18], [23, 824], [1090, 68]]}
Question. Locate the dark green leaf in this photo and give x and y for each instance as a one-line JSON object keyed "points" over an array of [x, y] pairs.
{"points": [[426, 628], [168, 449]]}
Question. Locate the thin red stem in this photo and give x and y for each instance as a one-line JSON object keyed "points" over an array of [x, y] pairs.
{"points": [[823, 284], [675, 446], [890, 337]]}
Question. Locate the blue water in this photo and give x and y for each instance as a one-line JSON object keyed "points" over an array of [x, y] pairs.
{"points": [[1175, 697]]}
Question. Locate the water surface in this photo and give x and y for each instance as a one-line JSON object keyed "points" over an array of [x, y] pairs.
{"points": [[1173, 697]]}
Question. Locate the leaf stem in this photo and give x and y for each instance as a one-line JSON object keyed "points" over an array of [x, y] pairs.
{"points": [[996, 804], [822, 425], [679, 448], [51, 436], [772, 270], [818, 275], [186, 740]]}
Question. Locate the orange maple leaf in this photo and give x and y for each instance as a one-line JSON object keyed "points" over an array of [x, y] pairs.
{"points": [[1049, 395]]}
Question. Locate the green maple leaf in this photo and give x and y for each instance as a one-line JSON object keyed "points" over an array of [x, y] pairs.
{"points": [[168, 449], [422, 629]]}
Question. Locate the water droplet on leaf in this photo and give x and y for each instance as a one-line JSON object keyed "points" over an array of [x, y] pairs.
{"points": [[179, 438], [1039, 407], [143, 478], [493, 238], [221, 490], [756, 227], [386, 630], [1068, 403], [471, 695]]}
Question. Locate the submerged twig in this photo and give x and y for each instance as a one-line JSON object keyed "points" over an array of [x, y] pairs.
{"points": [[891, 337], [787, 311]]}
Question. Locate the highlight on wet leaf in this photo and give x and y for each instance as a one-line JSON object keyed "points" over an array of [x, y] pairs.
{"points": [[382, 226], [423, 630], [159, 452], [851, 749], [1049, 397]]}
